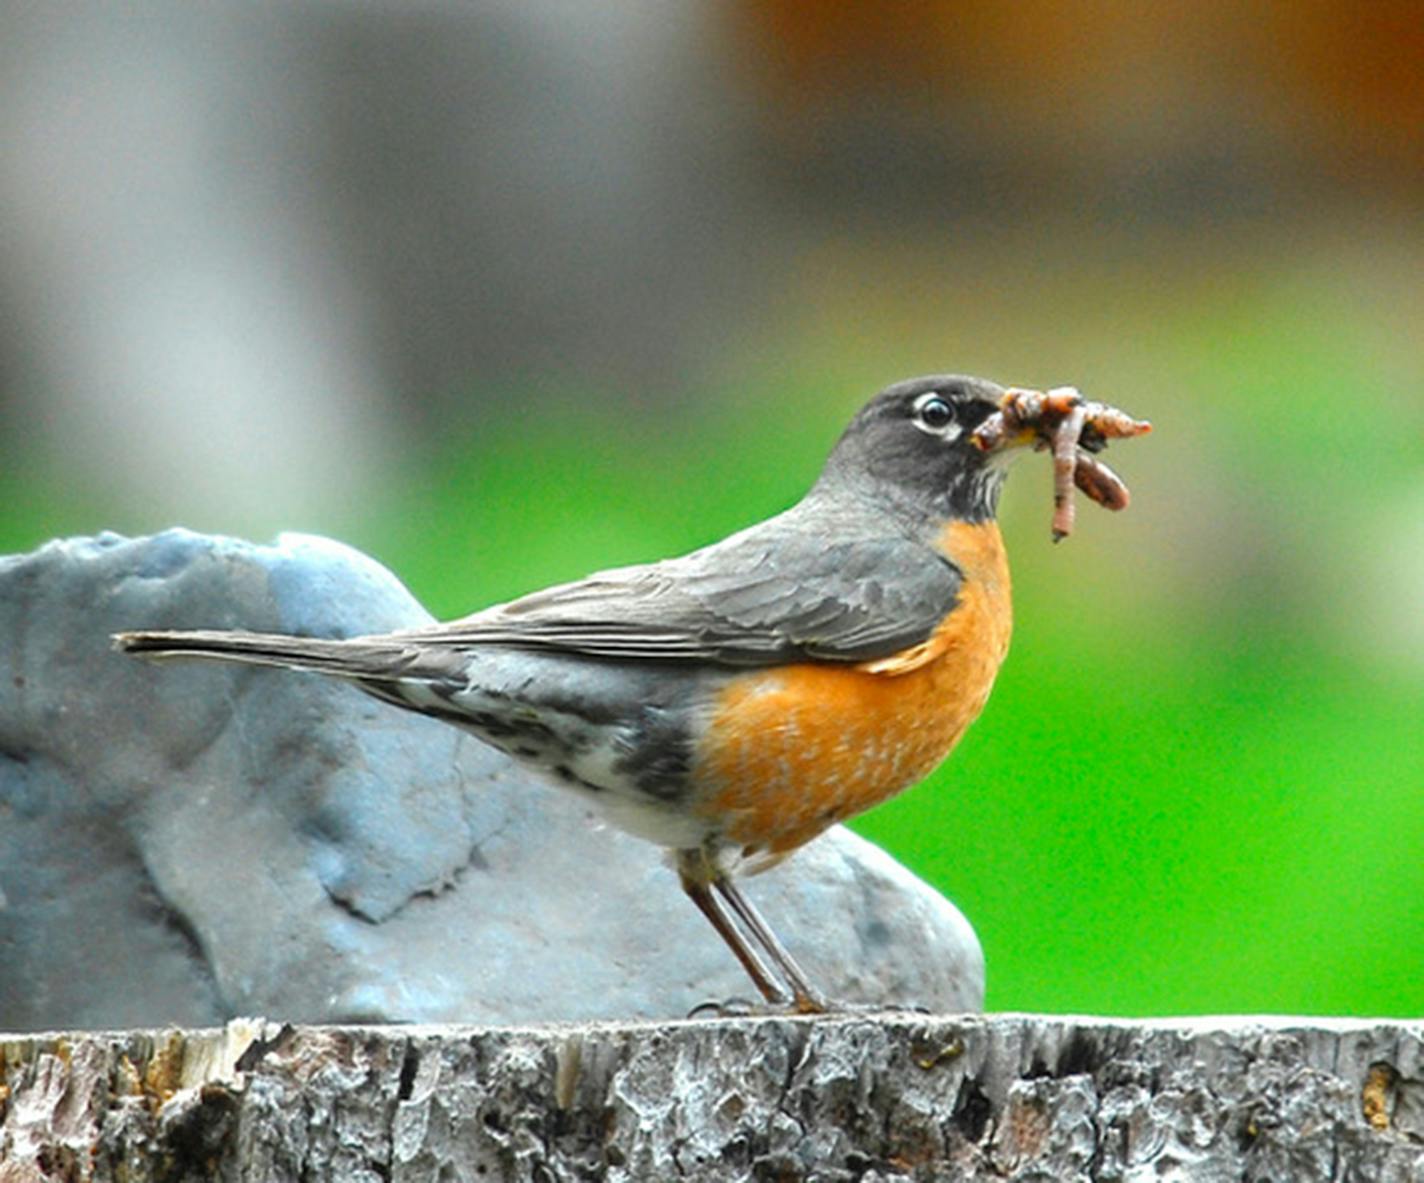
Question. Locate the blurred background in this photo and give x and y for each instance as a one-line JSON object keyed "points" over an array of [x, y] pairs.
{"points": [[504, 292]]}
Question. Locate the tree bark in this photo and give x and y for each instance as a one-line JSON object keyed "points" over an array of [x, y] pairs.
{"points": [[852, 1097]]}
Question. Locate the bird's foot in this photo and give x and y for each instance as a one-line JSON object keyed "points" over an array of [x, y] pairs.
{"points": [[746, 1008]]}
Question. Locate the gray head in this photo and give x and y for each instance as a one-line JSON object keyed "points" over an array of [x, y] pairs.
{"points": [[909, 448]]}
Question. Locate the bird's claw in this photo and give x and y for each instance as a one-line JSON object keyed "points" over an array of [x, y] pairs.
{"points": [[745, 1008]]}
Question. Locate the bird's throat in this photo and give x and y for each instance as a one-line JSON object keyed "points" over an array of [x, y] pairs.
{"points": [[973, 494]]}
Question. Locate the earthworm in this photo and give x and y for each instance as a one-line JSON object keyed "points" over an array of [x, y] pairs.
{"points": [[1099, 482], [1065, 464], [1070, 426]]}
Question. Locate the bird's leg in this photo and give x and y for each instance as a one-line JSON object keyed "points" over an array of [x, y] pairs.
{"points": [[808, 1000], [697, 877]]}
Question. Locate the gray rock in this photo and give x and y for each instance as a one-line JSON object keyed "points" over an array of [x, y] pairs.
{"points": [[189, 841]]}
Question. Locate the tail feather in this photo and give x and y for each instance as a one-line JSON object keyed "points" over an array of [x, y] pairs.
{"points": [[360, 658]]}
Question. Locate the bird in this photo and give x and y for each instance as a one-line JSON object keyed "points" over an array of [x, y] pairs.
{"points": [[733, 703]]}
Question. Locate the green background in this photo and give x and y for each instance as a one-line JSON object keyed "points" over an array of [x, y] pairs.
{"points": [[1197, 785]]}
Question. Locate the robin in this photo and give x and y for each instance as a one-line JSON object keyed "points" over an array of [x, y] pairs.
{"points": [[733, 703]]}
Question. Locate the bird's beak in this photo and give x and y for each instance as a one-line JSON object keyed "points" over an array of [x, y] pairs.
{"points": [[1002, 431]]}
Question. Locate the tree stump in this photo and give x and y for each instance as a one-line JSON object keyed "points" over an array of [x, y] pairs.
{"points": [[850, 1097]]}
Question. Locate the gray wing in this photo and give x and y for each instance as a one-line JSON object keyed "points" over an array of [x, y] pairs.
{"points": [[763, 597]]}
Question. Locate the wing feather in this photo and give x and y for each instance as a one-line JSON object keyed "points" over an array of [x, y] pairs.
{"points": [[766, 596]]}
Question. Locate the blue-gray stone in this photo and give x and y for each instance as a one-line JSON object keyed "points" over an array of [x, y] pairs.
{"points": [[183, 842]]}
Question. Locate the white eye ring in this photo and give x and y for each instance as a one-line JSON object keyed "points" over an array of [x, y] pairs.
{"points": [[934, 415]]}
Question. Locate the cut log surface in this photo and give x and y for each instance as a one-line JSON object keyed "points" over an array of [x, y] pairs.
{"points": [[851, 1097]]}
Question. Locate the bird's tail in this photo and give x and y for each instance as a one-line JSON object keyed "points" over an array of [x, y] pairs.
{"points": [[359, 658]]}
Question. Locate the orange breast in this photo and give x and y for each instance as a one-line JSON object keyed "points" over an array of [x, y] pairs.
{"points": [[794, 749]]}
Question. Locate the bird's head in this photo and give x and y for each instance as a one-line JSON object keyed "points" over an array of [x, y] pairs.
{"points": [[910, 446]]}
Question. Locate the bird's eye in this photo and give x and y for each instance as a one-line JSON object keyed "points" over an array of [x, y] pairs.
{"points": [[935, 413]]}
